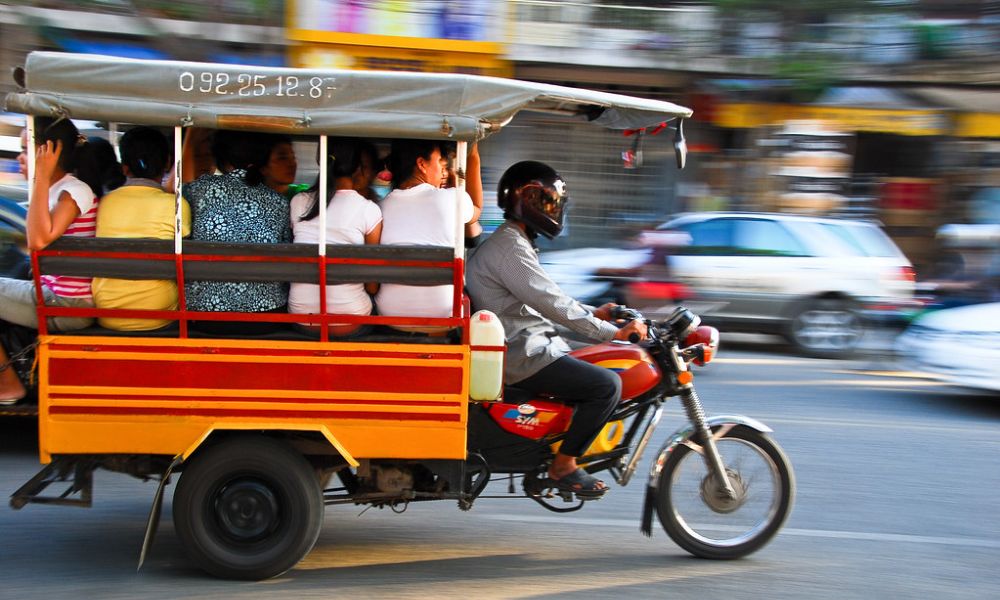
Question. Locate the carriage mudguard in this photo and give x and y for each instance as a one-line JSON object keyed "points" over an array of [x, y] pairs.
{"points": [[268, 426], [682, 436]]}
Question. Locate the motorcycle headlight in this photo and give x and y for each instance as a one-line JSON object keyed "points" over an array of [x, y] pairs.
{"points": [[683, 322]]}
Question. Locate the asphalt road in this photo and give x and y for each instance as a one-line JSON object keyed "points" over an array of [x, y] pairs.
{"points": [[897, 481]]}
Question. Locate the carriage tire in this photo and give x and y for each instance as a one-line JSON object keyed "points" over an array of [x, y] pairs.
{"points": [[248, 508]]}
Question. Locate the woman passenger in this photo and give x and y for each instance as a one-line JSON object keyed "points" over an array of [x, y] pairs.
{"points": [[350, 219], [68, 181], [236, 207], [139, 209], [281, 167], [418, 212]]}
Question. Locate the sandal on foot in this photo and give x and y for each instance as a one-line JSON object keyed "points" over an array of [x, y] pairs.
{"points": [[580, 482]]}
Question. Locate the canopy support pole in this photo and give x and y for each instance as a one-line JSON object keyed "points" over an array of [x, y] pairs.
{"points": [[321, 198], [179, 227]]}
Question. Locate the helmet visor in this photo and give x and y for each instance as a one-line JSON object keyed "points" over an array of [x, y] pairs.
{"points": [[547, 200], [542, 206]]}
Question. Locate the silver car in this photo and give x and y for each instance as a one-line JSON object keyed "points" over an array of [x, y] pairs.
{"points": [[929, 344], [811, 279]]}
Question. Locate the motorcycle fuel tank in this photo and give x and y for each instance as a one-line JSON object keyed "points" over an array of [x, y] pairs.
{"points": [[534, 419], [633, 364]]}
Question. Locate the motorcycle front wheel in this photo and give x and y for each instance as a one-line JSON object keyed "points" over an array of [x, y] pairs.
{"points": [[700, 518]]}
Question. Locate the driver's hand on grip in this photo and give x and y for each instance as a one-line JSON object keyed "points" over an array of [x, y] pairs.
{"points": [[633, 331], [605, 312]]}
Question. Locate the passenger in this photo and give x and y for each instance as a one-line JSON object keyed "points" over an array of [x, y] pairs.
{"points": [[279, 172], [350, 219], [418, 212], [139, 209], [473, 185], [22, 158], [504, 276], [236, 206], [109, 171], [68, 178]]}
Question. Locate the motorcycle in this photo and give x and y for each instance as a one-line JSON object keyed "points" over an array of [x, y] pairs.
{"points": [[721, 487]]}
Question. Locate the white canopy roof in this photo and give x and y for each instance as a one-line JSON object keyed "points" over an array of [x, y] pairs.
{"points": [[308, 101]]}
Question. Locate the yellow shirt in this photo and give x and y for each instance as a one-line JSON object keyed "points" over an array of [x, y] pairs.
{"points": [[138, 211]]}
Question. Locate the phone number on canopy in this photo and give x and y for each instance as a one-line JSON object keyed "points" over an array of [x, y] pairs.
{"points": [[249, 86]]}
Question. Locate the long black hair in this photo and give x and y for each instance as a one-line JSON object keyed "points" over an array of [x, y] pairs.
{"points": [[91, 162], [146, 152], [242, 150], [405, 154], [343, 160], [100, 157]]}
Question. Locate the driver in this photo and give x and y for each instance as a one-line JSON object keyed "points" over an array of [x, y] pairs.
{"points": [[505, 277]]}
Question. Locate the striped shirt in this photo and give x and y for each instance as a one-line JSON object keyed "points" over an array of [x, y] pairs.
{"points": [[85, 225], [505, 277]]}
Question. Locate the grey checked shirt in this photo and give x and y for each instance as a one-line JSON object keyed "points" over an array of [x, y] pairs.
{"points": [[505, 277]]}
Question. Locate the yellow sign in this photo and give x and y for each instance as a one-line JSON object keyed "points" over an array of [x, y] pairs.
{"points": [[364, 57], [980, 125], [902, 122]]}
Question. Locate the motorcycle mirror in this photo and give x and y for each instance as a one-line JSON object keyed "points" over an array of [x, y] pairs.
{"points": [[680, 145]]}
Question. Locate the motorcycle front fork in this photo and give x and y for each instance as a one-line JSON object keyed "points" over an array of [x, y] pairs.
{"points": [[710, 452]]}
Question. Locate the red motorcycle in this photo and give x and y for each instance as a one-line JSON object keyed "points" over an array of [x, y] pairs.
{"points": [[721, 487]]}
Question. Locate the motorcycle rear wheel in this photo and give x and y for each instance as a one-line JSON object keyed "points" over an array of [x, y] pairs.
{"points": [[707, 524]]}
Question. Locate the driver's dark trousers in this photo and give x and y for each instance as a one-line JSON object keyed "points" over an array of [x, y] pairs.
{"points": [[593, 391]]}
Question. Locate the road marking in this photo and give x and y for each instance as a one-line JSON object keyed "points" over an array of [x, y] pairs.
{"points": [[897, 374], [790, 531], [836, 382], [882, 423], [771, 361], [902, 375]]}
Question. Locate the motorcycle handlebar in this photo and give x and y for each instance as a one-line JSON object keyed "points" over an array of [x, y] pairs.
{"points": [[680, 322], [624, 313]]}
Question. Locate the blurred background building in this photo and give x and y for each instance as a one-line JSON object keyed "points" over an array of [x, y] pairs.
{"points": [[887, 109]]}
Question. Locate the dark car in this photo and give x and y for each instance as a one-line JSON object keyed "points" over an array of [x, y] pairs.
{"points": [[14, 260]]}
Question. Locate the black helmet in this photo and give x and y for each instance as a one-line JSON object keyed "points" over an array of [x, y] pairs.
{"points": [[533, 193]]}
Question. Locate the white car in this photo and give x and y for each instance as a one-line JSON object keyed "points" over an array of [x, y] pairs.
{"points": [[958, 345], [810, 279]]}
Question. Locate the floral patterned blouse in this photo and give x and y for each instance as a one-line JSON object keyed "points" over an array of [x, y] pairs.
{"points": [[225, 209]]}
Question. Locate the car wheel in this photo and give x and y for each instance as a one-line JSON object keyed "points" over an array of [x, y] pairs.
{"points": [[829, 328]]}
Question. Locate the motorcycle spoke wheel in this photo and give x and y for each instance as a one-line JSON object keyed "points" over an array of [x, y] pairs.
{"points": [[703, 520]]}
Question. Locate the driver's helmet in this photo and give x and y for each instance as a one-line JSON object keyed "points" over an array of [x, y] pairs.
{"points": [[533, 193]]}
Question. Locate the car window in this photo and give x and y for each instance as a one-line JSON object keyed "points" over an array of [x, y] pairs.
{"points": [[869, 240], [712, 237], [762, 237]]}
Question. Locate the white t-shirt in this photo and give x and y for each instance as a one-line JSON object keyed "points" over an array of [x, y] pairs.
{"points": [[349, 217], [85, 225], [422, 215]]}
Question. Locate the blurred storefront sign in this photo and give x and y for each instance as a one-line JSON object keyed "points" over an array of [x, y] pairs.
{"points": [[745, 115], [978, 125], [920, 111], [429, 36], [977, 112]]}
